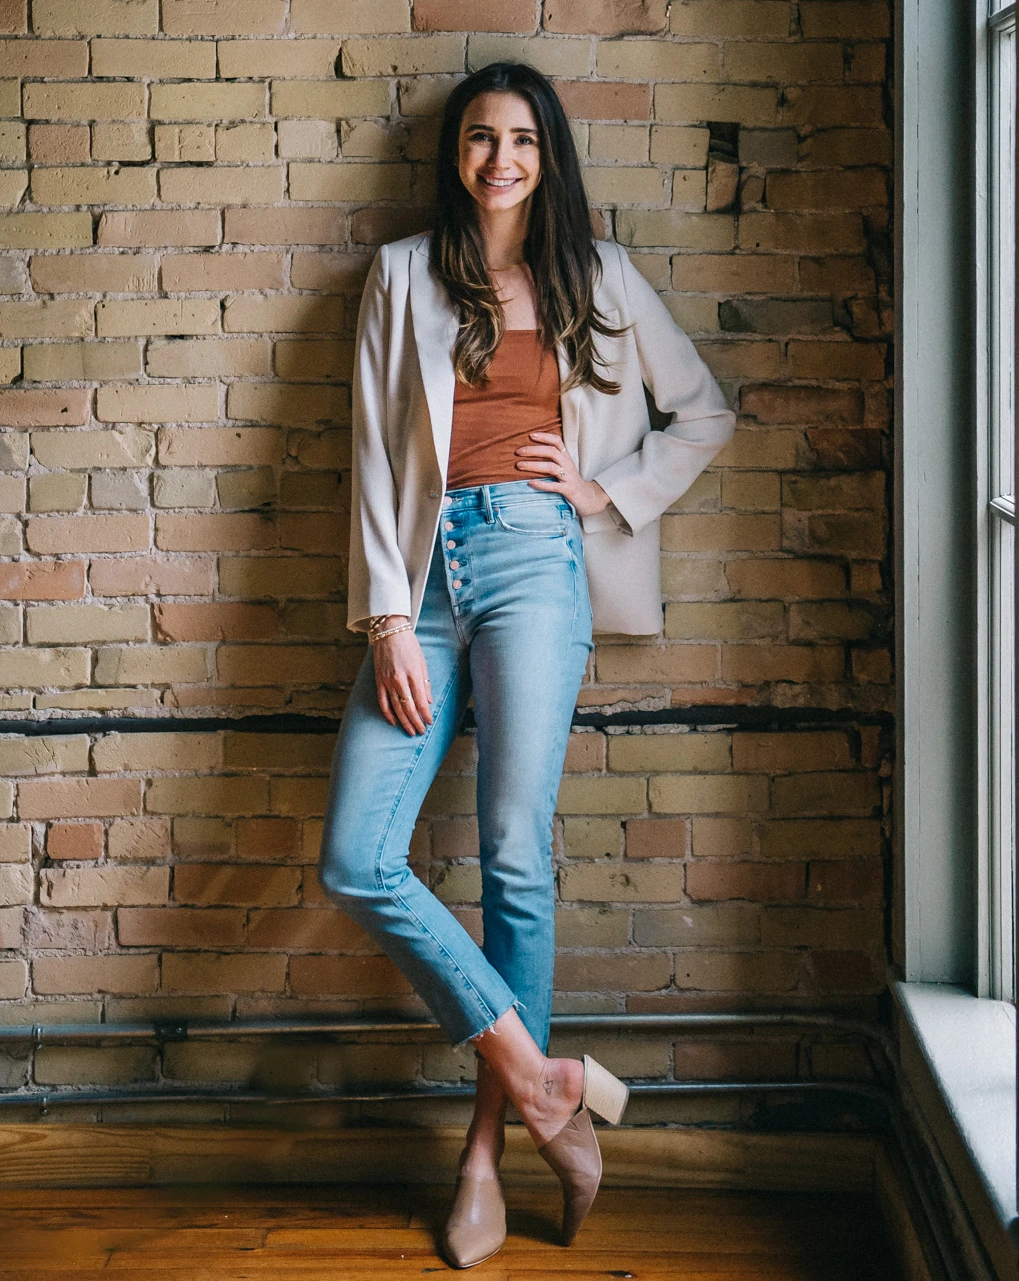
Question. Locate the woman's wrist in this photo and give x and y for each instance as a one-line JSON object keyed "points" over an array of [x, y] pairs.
{"points": [[599, 498]]}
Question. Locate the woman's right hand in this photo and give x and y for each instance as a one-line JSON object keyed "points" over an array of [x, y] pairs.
{"points": [[401, 679]]}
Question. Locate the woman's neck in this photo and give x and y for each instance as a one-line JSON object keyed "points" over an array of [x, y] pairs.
{"points": [[504, 234]]}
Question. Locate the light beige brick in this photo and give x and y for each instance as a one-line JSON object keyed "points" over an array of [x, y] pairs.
{"points": [[51, 100], [126, 446], [733, 17], [71, 317], [79, 798], [349, 181], [242, 142], [224, 972], [13, 979], [45, 230], [128, 141], [348, 17], [82, 361], [579, 795], [88, 533], [310, 139], [83, 624], [12, 141], [193, 143], [561, 57], [183, 487], [57, 492], [213, 796], [139, 840], [225, 532], [707, 793], [197, 101], [245, 59], [103, 886], [130, 753], [658, 60], [96, 185], [151, 665], [157, 316], [254, 314], [224, 18], [623, 185], [676, 229], [325, 101], [66, 754], [611, 883], [159, 227], [191, 402], [413, 56], [207, 357], [15, 843], [220, 446], [626, 143], [224, 185], [44, 668], [669, 753], [154, 59]]}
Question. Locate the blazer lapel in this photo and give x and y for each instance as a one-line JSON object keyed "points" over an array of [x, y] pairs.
{"points": [[435, 324]]}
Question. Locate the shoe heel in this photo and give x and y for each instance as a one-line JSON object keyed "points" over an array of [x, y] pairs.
{"points": [[603, 1092]]}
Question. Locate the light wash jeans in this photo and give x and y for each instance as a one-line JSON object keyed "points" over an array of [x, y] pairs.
{"points": [[506, 614]]}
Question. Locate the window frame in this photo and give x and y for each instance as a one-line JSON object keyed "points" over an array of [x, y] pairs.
{"points": [[996, 934]]}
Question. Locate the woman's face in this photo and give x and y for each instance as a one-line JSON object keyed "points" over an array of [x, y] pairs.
{"points": [[500, 161]]}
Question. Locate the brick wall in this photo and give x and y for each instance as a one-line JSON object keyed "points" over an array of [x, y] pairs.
{"points": [[192, 192]]}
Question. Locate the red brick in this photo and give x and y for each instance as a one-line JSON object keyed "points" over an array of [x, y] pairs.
{"points": [[63, 407], [468, 15], [846, 881], [604, 99], [346, 976], [75, 840], [259, 837], [657, 838], [309, 930], [150, 576], [816, 405], [179, 927], [758, 882], [605, 17], [42, 580], [219, 621]]}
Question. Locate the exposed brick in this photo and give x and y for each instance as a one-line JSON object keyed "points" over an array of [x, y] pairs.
{"points": [[605, 17], [42, 580], [79, 798], [224, 17], [462, 15]]}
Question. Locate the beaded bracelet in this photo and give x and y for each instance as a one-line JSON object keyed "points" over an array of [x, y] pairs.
{"points": [[389, 631]]}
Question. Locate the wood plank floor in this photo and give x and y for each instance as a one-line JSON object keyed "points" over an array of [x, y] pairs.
{"points": [[351, 1233]]}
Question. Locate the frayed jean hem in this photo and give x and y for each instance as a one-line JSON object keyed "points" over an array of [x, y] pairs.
{"points": [[517, 1004]]}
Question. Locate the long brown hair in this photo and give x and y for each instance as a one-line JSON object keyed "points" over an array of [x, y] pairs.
{"points": [[559, 247]]}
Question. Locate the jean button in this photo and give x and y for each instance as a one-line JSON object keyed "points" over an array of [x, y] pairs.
{"points": [[454, 564], [447, 501], [450, 544], [448, 525], [457, 582]]}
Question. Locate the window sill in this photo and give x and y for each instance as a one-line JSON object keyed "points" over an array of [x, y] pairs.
{"points": [[958, 1053]]}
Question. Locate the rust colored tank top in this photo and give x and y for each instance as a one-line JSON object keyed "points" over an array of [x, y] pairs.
{"points": [[491, 420]]}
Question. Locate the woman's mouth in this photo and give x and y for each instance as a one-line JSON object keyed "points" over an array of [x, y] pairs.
{"points": [[497, 184]]}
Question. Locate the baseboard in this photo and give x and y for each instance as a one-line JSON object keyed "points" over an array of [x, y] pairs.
{"points": [[88, 1155], [903, 1215]]}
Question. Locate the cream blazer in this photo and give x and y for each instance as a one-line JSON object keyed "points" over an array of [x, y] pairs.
{"points": [[403, 412]]}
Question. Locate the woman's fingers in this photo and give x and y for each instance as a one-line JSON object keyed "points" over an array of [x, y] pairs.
{"points": [[421, 697]]}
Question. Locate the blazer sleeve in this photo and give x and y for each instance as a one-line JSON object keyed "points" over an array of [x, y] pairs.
{"points": [[645, 483], [377, 579]]}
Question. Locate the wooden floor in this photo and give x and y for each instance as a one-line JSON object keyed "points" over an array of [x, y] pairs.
{"points": [[351, 1233]]}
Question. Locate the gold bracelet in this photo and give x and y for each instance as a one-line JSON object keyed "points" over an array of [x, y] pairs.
{"points": [[389, 631]]}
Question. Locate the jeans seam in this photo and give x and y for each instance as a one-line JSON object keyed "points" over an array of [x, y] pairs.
{"points": [[380, 879]]}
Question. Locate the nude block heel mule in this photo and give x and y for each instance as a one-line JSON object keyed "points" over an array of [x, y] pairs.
{"points": [[574, 1153]]}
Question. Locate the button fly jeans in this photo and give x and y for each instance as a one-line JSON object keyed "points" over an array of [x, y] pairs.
{"points": [[506, 615]]}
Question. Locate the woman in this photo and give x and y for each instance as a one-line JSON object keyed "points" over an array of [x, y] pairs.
{"points": [[506, 495]]}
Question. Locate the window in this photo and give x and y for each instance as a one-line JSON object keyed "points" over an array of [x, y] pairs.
{"points": [[996, 516]]}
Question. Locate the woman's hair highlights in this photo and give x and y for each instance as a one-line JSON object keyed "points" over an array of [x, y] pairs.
{"points": [[559, 248]]}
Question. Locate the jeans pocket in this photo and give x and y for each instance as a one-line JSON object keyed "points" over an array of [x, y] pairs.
{"points": [[540, 520]]}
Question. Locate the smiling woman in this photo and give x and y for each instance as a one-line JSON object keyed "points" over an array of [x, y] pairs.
{"points": [[517, 387]]}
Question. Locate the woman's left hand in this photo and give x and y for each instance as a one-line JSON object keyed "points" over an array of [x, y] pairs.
{"points": [[551, 457]]}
